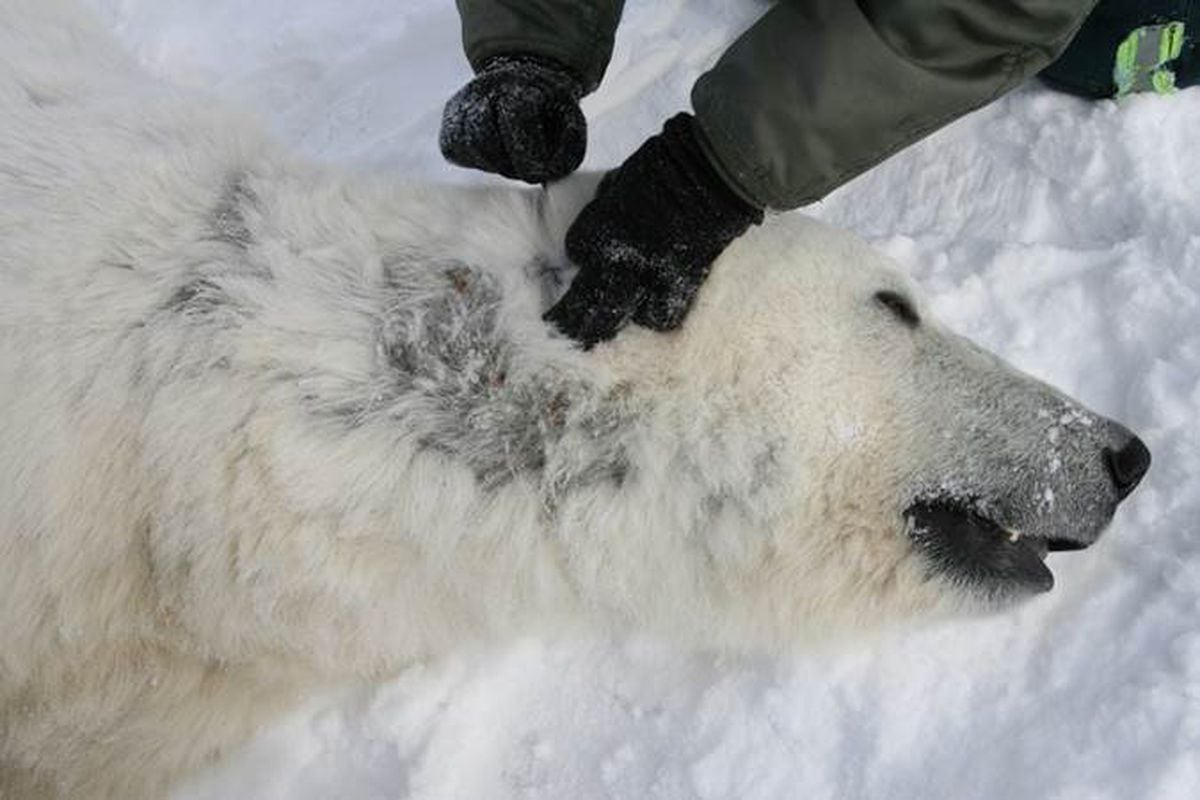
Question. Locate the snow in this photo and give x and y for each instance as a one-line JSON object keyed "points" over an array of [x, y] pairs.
{"points": [[1063, 234]]}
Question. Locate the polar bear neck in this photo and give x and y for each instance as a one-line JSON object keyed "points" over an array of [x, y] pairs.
{"points": [[407, 357]]}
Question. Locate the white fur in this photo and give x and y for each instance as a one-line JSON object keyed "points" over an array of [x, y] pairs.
{"points": [[192, 536]]}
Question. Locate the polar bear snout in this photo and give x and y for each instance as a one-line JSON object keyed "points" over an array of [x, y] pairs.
{"points": [[988, 534]]}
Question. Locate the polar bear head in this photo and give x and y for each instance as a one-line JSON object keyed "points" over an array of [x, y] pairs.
{"points": [[915, 471]]}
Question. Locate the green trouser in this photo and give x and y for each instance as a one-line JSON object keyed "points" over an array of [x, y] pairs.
{"points": [[817, 91]]}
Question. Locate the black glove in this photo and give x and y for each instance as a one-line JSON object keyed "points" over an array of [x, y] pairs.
{"points": [[518, 117], [647, 240]]}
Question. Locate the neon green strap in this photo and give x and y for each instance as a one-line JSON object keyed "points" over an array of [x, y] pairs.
{"points": [[1142, 58]]}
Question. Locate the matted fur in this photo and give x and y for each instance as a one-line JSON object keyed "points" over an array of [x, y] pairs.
{"points": [[266, 430]]}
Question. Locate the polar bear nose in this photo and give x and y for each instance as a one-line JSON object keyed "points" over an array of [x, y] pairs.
{"points": [[1128, 465]]}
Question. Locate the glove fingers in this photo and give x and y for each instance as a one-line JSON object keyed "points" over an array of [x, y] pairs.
{"points": [[566, 138], [647, 240], [669, 299], [545, 140], [469, 136], [662, 313], [522, 125], [523, 139], [593, 310]]}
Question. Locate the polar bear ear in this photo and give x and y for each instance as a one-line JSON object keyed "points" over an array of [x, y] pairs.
{"points": [[902, 307]]}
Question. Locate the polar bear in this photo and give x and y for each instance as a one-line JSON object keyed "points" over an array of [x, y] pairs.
{"points": [[267, 430]]}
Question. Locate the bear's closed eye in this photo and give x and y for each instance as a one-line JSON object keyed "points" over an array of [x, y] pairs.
{"points": [[900, 306]]}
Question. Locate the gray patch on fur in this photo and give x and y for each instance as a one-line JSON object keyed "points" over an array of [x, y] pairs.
{"points": [[197, 299], [203, 297], [742, 499], [451, 375], [227, 221], [203, 300]]}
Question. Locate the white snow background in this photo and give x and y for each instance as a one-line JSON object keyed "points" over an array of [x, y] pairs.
{"points": [[1063, 234]]}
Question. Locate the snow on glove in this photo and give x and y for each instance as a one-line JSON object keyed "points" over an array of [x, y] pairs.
{"points": [[518, 117], [646, 242]]}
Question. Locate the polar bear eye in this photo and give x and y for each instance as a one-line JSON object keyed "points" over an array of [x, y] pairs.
{"points": [[900, 306]]}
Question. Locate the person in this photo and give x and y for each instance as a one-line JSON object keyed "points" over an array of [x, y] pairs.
{"points": [[811, 95]]}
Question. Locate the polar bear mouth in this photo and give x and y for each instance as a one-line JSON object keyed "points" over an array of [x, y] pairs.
{"points": [[963, 544]]}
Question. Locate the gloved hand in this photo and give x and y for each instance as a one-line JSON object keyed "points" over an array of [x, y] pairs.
{"points": [[646, 242], [518, 117]]}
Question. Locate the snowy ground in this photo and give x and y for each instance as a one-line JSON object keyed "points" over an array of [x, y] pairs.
{"points": [[1062, 234]]}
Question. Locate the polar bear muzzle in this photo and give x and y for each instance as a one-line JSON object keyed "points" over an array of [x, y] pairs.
{"points": [[965, 543]]}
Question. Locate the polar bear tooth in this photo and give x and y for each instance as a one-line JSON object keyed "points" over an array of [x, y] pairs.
{"points": [[1013, 534]]}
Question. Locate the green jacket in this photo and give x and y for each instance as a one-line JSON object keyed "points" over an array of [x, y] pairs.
{"points": [[816, 91]]}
